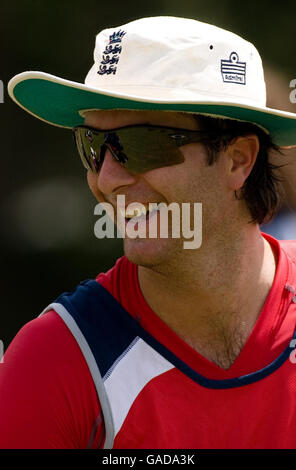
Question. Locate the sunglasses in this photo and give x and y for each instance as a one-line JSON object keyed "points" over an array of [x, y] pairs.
{"points": [[137, 148]]}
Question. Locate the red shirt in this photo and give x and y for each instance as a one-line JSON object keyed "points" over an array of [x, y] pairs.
{"points": [[48, 399]]}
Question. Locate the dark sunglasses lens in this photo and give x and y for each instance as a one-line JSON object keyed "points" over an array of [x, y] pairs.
{"points": [[148, 148], [137, 148], [90, 152]]}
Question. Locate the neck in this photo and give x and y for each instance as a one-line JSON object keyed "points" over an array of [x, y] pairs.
{"points": [[213, 297]]}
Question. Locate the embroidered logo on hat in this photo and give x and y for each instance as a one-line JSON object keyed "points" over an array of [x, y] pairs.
{"points": [[111, 54], [232, 70]]}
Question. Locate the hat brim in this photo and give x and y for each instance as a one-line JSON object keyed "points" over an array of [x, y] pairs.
{"points": [[62, 102]]}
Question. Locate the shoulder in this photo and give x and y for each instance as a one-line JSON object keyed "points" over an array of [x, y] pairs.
{"points": [[45, 381], [289, 246], [46, 338]]}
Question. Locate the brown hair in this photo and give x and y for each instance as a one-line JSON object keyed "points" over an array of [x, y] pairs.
{"points": [[261, 191]]}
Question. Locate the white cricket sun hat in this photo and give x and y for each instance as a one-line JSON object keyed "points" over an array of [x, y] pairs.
{"points": [[161, 63]]}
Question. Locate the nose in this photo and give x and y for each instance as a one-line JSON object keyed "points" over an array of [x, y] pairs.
{"points": [[113, 175]]}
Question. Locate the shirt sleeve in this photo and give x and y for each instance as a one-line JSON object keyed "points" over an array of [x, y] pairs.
{"points": [[47, 396]]}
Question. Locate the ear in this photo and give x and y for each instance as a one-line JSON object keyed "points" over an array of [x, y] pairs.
{"points": [[242, 154]]}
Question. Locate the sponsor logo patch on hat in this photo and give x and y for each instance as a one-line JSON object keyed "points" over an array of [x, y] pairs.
{"points": [[232, 70]]}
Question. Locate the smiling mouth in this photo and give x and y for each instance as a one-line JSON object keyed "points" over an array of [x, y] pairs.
{"points": [[143, 211]]}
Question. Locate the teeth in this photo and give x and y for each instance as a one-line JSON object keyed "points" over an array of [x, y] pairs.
{"points": [[137, 212], [129, 214], [144, 210], [134, 213]]}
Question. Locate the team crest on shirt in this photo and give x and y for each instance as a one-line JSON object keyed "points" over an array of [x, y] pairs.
{"points": [[111, 54], [233, 71]]}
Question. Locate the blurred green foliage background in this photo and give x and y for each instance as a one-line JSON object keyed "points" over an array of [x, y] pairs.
{"points": [[48, 244]]}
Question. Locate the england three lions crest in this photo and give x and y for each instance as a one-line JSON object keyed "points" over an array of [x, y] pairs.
{"points": [[232, 70], [111, 54]]}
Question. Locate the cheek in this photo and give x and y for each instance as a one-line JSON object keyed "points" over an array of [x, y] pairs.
{"points": [[183, 182], [166, 181], [93, 186]]}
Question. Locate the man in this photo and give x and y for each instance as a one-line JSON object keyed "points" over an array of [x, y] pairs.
{"points": [[173, 347]]}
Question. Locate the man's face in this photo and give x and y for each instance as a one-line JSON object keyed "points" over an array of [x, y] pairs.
{"points": [[192, 181]]}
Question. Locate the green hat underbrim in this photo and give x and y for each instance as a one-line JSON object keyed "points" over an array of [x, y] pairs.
{"points": [[61, 102]]}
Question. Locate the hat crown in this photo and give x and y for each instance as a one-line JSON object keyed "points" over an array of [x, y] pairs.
{"points": [[168, 58]]}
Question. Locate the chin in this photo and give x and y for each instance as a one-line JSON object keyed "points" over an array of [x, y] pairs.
{"points": [[150, 252]]}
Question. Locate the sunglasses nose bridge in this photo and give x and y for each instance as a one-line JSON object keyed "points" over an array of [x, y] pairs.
{"points": [[104, 148], [112, 174], [111, 150], [117, 158]]}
